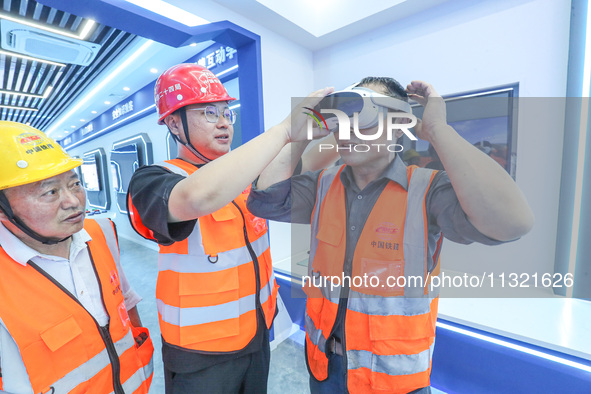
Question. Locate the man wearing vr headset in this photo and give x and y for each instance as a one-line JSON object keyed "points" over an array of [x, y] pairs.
{"points": [[375, 221], [216, 291]]}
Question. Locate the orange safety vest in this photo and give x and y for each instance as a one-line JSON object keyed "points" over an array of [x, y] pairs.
{"points": [[391, 312], [62, 346], [211, 284]]}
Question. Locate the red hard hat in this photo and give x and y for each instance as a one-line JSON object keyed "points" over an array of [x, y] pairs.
{"points": [[185, 84]]}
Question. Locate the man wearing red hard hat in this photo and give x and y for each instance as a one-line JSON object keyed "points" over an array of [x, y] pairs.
{"points": [[216, 292]]}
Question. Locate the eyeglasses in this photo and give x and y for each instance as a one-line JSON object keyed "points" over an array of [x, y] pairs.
{"points": [[212, 113]]}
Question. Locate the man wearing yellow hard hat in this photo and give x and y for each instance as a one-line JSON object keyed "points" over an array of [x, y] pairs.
{"points": [[68, 317]]}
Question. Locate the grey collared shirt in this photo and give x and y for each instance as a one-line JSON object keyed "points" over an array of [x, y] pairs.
{"points": [[293, 200]]}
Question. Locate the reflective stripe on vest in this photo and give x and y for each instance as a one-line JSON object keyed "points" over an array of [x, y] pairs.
{"points": [[59, 342], [199, 263], [213, 313], [207, 287], [315, 334], [148, 369], [403, 364], [389, 332], [95, 365], [135, 381]]}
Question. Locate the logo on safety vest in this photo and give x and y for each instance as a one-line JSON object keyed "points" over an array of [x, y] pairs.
{"points": [[114, 277], [123, 314], [387, 231], [115, 281]]}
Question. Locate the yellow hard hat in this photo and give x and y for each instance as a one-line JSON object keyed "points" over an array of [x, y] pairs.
{"points": [[27, 155]]}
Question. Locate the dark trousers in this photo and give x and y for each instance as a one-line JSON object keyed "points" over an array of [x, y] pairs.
{"points": [[247, 374], [335, 383], [337, 376]]}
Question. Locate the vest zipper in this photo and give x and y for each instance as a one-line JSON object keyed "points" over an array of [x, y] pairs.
{"points": [[342, 310], [258, 305], [344, 298], [115, 365], [255, 262], [105, 336]]}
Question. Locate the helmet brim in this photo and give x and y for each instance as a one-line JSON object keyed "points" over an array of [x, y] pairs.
{"points": [[42, 173]]}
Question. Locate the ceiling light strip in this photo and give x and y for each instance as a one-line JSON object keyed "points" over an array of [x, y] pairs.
{"points": [[86, 29], [80, 36], [99, 87], [19, 108], [48, 91], [39, 96], [31, 58]]}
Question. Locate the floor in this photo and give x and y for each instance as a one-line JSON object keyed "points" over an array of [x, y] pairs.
{"points": [[140, 266], [288, 373]]}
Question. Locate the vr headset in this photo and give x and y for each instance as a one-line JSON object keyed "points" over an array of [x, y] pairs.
{"points": [[368, 104]]}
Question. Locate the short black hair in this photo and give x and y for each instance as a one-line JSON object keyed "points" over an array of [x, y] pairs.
{"points": [[393, 87]]}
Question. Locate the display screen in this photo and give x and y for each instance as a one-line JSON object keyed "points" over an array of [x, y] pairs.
{"points": [[485, 119], [94, 177], [490, 135], [125, 161], [126, 157], [115, 176], [90, 176]]}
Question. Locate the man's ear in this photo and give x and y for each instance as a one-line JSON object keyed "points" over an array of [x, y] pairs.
{"points": [[173, 121], [3, 216], [5, 202]]}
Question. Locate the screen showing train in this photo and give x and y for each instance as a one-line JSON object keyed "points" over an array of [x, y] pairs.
{"points": [[486, 119]]}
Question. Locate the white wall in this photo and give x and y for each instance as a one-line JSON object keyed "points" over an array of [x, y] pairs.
{"points": [[474, 45], [287, 67]]}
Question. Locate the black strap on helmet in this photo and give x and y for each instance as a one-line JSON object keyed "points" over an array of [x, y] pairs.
{"points": [[7, 210], [188, 145]]}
